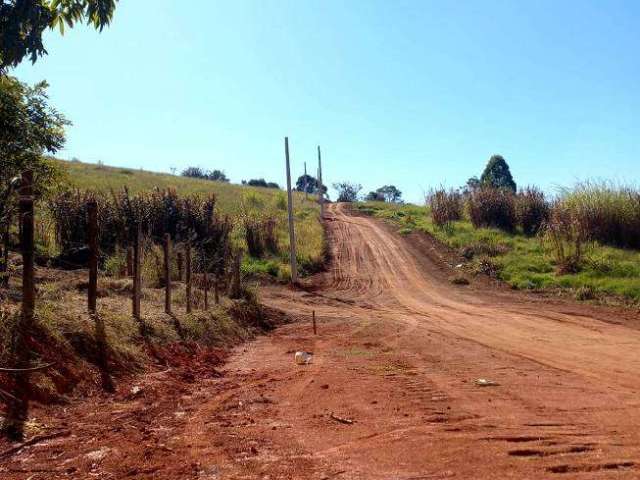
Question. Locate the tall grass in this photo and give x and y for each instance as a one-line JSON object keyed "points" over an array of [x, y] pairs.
{"points": [[565, 238], [235, 201], [607, 212], [532, 210], [492, 207], [446, 206]]}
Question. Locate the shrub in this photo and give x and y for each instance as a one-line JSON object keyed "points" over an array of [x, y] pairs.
{"points": [[261, 236], [459, 280], [586, 292], [607, 212], [565, 238], [488, 267], [492, 207], [253, 238], [446, 206], [532, 210]]}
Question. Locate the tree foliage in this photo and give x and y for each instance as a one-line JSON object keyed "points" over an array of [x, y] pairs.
{"points": [[197, 172], [390, 193], [23, 22], [260, 182], [497, 174], [309, 184], [29, 129], [347, 191], [374, 196]]}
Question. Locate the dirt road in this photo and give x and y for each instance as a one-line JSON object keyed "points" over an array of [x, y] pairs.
{"points": [[392, 391]]}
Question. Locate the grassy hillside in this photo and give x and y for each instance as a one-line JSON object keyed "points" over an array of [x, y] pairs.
{"points": [[521, 261], [237, 201]]}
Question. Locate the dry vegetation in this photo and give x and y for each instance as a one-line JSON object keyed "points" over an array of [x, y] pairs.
{"points": [[586, 240], [219, 221], [245, 205]]}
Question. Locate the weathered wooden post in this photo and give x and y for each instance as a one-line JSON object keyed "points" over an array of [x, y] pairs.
{"points": [[235, 281], [129, 262], [137, 273], [320, 185], [188, 274], [292, 234], [306, 183], [92, 231], [206, 289], [18, 404], [167, 273], [27, 229], [4, 266], [180, 260]]}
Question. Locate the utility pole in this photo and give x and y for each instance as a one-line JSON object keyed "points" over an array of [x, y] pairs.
{"points": [[306, 194], [320, 185], [292, 234]]}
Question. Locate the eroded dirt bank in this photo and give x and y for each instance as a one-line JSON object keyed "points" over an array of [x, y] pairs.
{"points": [[391, 393]]}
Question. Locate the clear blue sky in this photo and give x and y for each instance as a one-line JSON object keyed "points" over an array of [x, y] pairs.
{"points": [[413, 93]]}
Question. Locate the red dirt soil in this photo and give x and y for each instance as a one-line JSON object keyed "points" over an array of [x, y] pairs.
{"points": [[391, 392]]}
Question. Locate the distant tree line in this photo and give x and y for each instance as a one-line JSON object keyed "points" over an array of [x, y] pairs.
{"points": [[260, 182], [197, 172]]}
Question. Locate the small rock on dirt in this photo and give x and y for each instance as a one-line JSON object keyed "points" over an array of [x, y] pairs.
{"points": [[483, 382]]}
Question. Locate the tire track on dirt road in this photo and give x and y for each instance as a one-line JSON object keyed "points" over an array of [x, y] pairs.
{"points": [[404, 338], [398, 352]]}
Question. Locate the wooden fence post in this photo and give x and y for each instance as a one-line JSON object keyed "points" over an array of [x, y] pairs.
{"points": [[4, 266], [26, 222], [206, 289], [180, 265], [188, 274], [92, 230], [320, 185], [18, 405], [306, 186], [167, 273], [137, 273], [129, 262], [235, 281]]}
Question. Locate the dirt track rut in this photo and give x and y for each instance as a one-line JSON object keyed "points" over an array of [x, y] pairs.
{"points": [[398, 353], [401, 349]]}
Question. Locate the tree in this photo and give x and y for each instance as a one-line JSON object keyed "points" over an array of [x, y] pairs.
{"points": [[309, 183], [390, 193], [22, 23], [217, 176], [29, 128], [193, 172], [347, 191], [472, 185], [260, 182], [197, 172], [374, 197], [497, 174]]}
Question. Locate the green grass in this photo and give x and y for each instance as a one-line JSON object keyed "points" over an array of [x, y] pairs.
{"points": [[521, 261], [233, 200]]}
